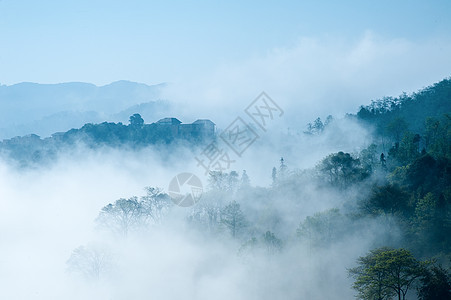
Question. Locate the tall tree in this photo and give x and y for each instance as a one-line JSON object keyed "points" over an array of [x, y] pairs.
{"points": [[389, 200], [386, 272], [271, 243], [397, 128], [341, 169], [283, 169], [233, 218], [368, 158], [123, 216], [369, 277], [245, 181]]}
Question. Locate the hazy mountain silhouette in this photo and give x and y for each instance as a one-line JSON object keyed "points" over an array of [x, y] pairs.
{"points": [[47, 108]]}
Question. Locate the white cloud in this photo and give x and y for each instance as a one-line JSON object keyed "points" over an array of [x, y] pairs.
{"points": [[317, 76]]}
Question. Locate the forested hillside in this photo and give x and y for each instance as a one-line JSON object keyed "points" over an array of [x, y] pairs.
{"points": [[381, 215], [393, 116], [32, 149], [396, 202]]}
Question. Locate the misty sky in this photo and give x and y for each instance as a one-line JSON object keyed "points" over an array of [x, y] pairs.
{"points": [[173, 41]]}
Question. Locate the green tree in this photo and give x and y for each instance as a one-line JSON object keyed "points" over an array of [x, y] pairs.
{"points": [[386, 272], [341, 169], [389, 200], [425, 213], [369, 277], [408, 149], [396, 128], [368, 158], [435, 284], [432, 126], [438, 136], [431, 223]]}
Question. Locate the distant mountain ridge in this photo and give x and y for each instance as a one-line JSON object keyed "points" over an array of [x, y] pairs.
{"points": [[42, 109], [31, 149]]}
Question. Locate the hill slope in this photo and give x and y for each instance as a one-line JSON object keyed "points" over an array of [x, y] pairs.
{"points": [[433, 101]]}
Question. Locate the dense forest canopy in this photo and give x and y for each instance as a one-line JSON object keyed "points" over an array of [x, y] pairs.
{"points": [[409, 111], [32, 149]]}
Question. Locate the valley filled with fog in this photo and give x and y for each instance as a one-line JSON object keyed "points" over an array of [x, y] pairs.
{"points": [[287, 218], [235, 150]]}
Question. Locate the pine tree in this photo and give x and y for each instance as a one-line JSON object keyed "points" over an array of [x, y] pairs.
{"points": [[233, 218]]}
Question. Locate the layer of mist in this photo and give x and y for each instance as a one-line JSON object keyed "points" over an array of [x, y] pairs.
{"points": [[49, 215]]}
